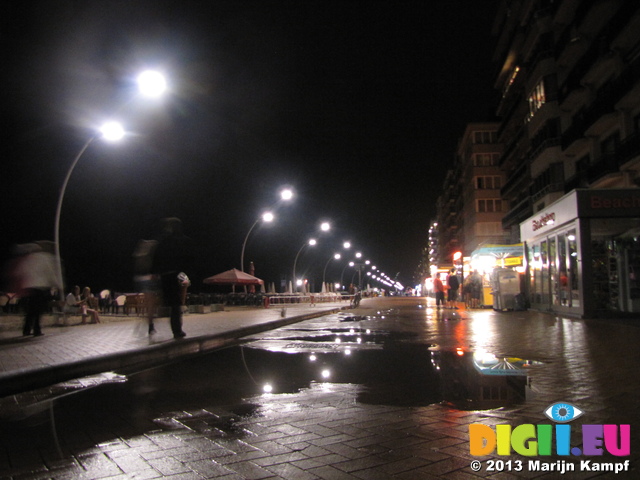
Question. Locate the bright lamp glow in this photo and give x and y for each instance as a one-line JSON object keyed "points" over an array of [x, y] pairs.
{"points": [[112, 131], [286, 194], [267, 217], [325, 227], [151, 83], [312, 242]]}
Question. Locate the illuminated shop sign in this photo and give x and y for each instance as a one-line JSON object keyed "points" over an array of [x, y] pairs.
{"points": [[546, 219]]}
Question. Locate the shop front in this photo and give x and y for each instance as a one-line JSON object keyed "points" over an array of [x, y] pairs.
{"points": [[583, 253]]}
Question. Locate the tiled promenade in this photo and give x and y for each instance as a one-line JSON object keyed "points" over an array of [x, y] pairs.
{"points": [[324, 432]]}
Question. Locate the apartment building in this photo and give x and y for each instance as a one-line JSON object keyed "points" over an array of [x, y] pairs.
{"points": [[470, 209], [569, 77]]}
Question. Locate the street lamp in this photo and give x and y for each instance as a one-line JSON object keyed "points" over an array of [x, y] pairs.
{"points": [[110, 131], [285, 195], [150, 83], [266, 217], [337, 256], [310, 243]]}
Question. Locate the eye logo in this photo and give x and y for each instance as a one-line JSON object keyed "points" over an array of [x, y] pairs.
{"points": [[562, 412]]}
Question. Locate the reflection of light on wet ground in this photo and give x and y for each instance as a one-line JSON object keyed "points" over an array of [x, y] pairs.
{"points": [[31, 402]]}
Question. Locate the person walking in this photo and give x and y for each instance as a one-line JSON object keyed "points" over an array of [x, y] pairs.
{"points": [[453, 282], [438, 288], [173, 256], [36, 275]]}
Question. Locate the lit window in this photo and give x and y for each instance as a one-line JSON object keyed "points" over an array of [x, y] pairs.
{"points": [[537, 98]]}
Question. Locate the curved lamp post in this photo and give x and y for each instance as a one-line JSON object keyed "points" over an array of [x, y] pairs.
{"points": [[266, 217], [285, 195], [112, 132], [337, 256], [310, 243], [350, 264], [150, 84]]}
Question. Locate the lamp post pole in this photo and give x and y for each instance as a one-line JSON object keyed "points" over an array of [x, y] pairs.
{"points": [[266, 217], [111, 131], [311, 243], [336, 257]]}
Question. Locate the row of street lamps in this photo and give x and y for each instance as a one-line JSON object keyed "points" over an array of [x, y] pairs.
{"points": [[153, 84], [374, 274]]}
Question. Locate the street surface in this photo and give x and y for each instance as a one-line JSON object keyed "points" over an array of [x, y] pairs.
{"points": [[387, 390]]}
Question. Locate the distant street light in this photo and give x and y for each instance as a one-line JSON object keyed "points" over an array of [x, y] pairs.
{"points": [[111, 131]]}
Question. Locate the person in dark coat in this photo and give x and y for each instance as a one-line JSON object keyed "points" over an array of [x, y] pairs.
{"points": [[453, 282], [173, 257]]}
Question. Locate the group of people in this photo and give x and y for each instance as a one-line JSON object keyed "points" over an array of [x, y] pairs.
{"points": [[447, 292], [81, 303], [33, 274]]}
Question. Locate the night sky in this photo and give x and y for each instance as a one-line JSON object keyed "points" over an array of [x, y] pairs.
{"points": [[356, 105]]}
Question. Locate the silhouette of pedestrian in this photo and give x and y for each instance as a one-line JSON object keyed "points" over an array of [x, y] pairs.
{"points": [[35, 275], [173, 256]]}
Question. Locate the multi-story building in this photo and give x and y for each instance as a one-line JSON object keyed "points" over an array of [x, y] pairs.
{"points": [[481, 179], [470, 208], [569, 75]]}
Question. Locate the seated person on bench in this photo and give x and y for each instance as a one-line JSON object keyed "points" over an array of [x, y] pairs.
{"points": [[75, 304]]}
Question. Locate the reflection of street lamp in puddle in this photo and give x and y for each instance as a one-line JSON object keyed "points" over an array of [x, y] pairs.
{"points": [[312, 357]]}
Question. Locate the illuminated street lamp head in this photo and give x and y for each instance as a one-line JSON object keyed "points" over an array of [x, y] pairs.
{"points": [[346, 245], [286, 194], [151, 83], [325, 227], [312, 242], [267, 217], [358, 255], [112, 131], [337, 256]]}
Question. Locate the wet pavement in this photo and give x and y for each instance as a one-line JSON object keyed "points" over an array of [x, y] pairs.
{"points": [[387, 390]]}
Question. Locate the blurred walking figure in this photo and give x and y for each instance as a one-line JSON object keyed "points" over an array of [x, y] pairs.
{"points": [[35, 276], [144, 280], [438, 288], [173, 256]]}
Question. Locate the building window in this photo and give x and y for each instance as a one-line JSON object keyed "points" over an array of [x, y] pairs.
{"points": [[484, 137], [486, 159], [492, 182], [537, 98], [488, 205]]}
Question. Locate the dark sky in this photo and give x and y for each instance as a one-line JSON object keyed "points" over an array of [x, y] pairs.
{"points": [[356, 105]]}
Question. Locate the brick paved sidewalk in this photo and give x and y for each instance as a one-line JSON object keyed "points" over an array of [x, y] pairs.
{"points": [[123, 342]]}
